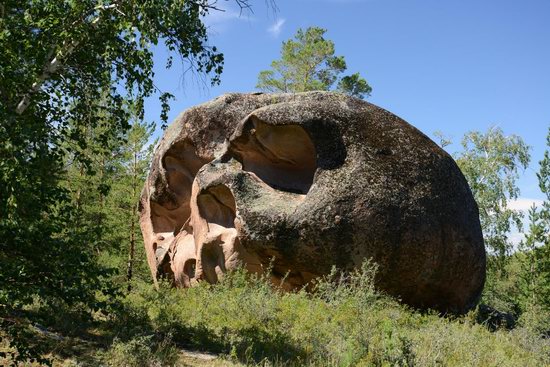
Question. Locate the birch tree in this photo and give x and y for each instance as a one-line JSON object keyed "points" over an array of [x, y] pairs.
{"points": [[491, 162]]}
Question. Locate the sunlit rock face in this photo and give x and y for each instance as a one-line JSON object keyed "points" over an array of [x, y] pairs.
{"points": [[305, 182]]}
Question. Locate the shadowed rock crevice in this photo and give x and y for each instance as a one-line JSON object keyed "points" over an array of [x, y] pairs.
{"points": [[169, 207], [282, 156], [181, 164], [216, 235], [217, 227]]}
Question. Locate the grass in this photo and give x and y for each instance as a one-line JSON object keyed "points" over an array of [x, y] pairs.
{"points": [[345, 322]]}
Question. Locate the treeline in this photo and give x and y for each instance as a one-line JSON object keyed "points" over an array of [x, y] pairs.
{"points": [[518, 273]]}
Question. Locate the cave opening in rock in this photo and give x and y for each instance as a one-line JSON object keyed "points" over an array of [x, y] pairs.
{"points": [[283, 156]]}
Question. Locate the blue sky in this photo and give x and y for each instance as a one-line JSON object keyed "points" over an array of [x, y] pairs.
{"points": [[451, 65]]}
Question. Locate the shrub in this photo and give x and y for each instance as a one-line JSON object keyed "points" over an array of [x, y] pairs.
{"points": [[141, 351], [343, 322]]}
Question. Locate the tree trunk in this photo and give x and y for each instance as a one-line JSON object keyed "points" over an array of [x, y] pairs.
{"points": [[52, 65], [131, 254], [132, 249]]}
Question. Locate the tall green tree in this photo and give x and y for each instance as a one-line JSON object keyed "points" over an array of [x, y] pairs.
{"points": [[65, 64], [535, 261], [308, 63], [131, 165], [491, 163], [87, 178], [535, 276]]}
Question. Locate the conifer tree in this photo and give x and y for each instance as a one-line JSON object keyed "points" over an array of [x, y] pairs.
{"points": [[535, 262], [308, 63], [130, 171]]}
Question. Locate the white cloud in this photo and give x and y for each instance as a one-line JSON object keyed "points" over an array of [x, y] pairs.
{"points": [[218, 20], [277, 27], [523, 204]]}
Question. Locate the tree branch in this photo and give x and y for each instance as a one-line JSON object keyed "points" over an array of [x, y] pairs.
{"points": [[52, 65]]}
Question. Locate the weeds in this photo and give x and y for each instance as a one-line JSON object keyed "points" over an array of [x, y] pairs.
{"points": [[344, 321], [141, 351]]}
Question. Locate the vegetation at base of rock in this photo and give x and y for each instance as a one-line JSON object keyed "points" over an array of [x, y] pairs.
{"points": [[344, 323]]}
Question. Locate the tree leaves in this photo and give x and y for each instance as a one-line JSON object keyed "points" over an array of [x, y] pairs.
{"points": [[491, 163], [355, 86], [73, 67], [308, 63]]}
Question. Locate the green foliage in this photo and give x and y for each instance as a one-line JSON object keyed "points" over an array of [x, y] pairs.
{"points": [[131, 165], [345, 322], [502, 290], [535, 261], [354, 85], [104, 185], [68, 69], [141, 351], [308, 63], [490, 162], [535, 277], [518, 283]]}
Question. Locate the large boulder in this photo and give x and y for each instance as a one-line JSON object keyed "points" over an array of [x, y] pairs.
{"points": [[309, 181]]}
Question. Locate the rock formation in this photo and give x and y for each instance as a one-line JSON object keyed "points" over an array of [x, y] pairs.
{"points": [[307, 181]]}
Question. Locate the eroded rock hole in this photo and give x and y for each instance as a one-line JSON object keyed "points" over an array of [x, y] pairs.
{"points": [[181, 164], [282, 156], [213, 260], [218, 236], [189, 268], [217, 206]]}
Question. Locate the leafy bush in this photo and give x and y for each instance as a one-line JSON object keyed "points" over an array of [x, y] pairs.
{"points": [[141, 351], [344, 322]]}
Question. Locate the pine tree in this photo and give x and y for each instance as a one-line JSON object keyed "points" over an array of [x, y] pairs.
{"points": [[535, 276], [130, 171], [88, 178], [308, 63]]}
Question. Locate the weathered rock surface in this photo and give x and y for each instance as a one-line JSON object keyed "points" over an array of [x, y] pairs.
{"points": [[309, 181]]}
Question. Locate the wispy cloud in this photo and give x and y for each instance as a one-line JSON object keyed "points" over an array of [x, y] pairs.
{"points": [[276, 27], [219, 20], [523, 204]]}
